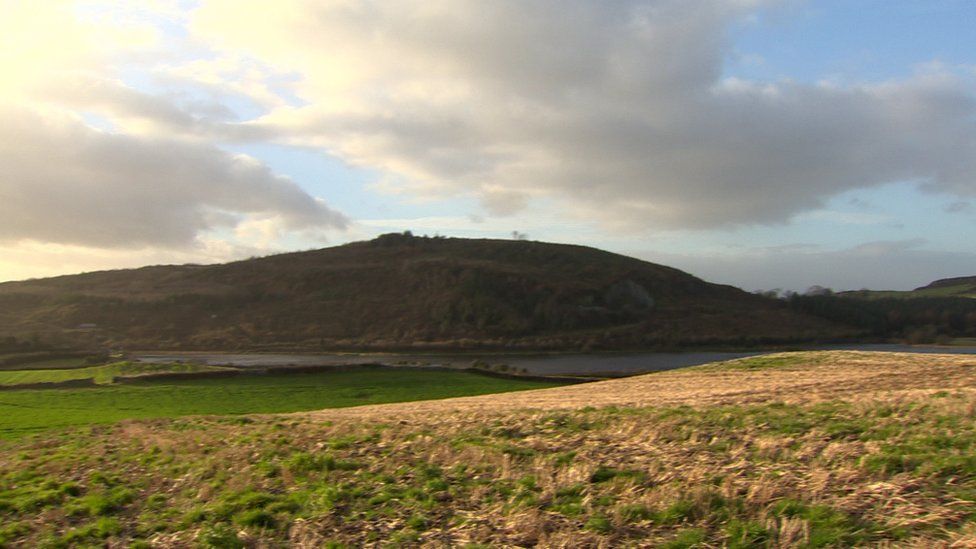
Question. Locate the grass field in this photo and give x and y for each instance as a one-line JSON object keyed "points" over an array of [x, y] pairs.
{"points": [[48, 364], [826, 449], [23, 411], [103, 374]]}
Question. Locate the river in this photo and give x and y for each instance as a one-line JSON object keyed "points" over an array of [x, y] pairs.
{"points": [[562, 364]]}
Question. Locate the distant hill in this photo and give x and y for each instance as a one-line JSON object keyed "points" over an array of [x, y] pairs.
{"points": [[403, 292], [942, 312], [961, 286], [964, 286]]}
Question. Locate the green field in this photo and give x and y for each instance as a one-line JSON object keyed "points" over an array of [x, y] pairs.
{"points": [[103, 374], [25, 411], [16, 361]]}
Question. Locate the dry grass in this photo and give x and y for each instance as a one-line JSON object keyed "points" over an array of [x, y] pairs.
{"points": [[813, 449], [787, 377]]}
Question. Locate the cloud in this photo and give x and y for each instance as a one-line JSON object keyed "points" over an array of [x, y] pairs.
{"points": [[845, 218], [132, 110], [39, 40], [151, 183], [617, 109], [960, 206], [64, 182], [34, 259]]}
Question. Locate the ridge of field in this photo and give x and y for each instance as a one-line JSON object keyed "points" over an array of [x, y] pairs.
{"points": [[816, 449], [24, 411]]}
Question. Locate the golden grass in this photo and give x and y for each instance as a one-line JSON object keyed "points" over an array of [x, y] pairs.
{"points": [[806, 377], [827, 449]]}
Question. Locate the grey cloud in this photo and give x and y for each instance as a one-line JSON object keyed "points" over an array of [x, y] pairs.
{"points": [[169, 114], [960, 206], [63, 182], [616, 108], [503, 202], [86, 92]]}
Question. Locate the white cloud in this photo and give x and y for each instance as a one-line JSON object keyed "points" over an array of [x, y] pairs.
{"points": [[150, 180], [555, 114], [617, 109], [35, 259], [63, 182]]}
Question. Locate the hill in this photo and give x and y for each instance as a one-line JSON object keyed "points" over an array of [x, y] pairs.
{"points": [[960, 286], [964, 286], [942, 312], [400, 291], [825, 449]]}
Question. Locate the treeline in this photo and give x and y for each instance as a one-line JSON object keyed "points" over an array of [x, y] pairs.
{"points": [[915, 320], [511, 304], [13, 344], [16, 352]]}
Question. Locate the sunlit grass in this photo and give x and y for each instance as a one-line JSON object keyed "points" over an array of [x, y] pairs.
{"points": [[832, 474], [30, 410], [102, 374], [835, 449]]}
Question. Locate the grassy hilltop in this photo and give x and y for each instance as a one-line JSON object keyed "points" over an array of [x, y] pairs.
{"points": [[825, 449], [398, 292]]}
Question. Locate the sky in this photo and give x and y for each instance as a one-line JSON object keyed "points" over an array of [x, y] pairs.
{"points": [[759, 143]]}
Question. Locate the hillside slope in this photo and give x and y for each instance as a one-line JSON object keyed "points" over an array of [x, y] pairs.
{"points": [[963, 286], [942, 312], [827, 449], [399, 291]]}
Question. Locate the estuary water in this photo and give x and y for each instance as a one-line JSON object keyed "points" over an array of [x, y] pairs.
{"points": [[561, 364]]}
